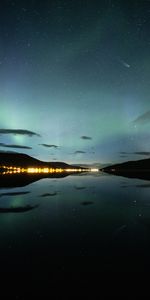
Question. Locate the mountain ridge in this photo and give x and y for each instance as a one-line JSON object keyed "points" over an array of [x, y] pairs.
{"points": [[25, 160], [133, 169]]}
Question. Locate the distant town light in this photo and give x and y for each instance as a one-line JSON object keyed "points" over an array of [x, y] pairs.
{"points": [[32, 170], [94, 170]]}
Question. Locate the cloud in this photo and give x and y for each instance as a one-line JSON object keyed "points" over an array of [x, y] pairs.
{"points": [[142, 119], [14, 146], [136, 153], [4, 151], [49, 146], [18, 131], [122, 152], [84, 137], [79, 152], [142, 153]]}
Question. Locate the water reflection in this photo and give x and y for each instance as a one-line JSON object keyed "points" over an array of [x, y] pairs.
{"points": [[80, 187], [83, 222], [87, 202], [19, 180], [17, 209], [49, 194], [144, 185], [14, 194]]}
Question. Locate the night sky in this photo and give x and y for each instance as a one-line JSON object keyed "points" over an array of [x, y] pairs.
{"points": [[75, 79]]}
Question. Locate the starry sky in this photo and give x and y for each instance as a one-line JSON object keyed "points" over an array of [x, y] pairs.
{"points": [[75, 79]]}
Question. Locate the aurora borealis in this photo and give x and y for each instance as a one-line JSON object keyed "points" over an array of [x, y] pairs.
{"points": [[74, 79]]}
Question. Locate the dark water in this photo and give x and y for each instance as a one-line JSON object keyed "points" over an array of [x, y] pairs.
{"points": [[80, 222]]}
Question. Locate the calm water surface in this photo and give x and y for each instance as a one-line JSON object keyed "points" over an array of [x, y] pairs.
{"points": [[85, 222]]}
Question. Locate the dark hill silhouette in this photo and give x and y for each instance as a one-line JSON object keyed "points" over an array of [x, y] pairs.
{"points": [[24, 161], [134, 169]]}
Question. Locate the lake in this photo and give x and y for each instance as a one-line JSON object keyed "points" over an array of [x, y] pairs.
{"points": [[84, 222]]}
